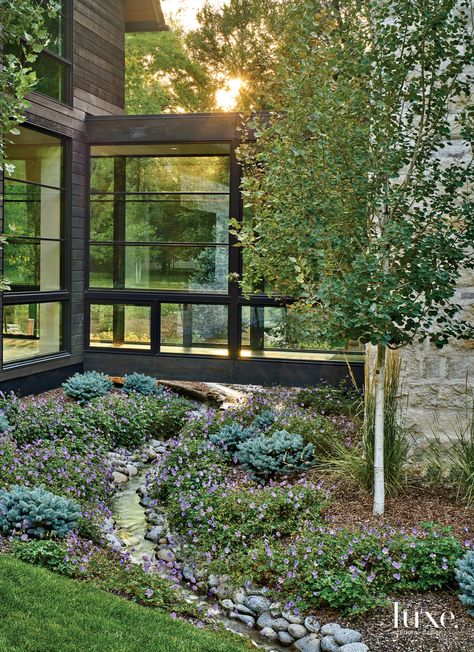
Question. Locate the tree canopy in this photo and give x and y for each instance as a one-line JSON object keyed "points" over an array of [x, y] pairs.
{"points": [[162, 77], [356, 209], [239, 40]]}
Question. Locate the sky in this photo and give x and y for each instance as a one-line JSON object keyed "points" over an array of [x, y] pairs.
{"points": [[185, 10]]}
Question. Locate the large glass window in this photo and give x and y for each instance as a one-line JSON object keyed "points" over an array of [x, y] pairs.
{"points": [[281, 332], [33, 212], [197, 329], [159, 217], [120, 326], [53, 67], [31, 330]]}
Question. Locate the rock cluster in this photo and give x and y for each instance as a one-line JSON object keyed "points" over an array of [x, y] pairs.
{"points": [[248, 604], [252, 607]]}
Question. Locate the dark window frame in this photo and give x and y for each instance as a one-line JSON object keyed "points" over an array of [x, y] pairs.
{"points": [[62, 296], [65, 60]]}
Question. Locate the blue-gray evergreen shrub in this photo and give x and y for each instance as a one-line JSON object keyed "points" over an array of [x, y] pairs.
{"points": [[141, 384], [263, 421], [278, 454], [4, 425], [465, 577], [37, 512], [84, 387], [231, 436]]}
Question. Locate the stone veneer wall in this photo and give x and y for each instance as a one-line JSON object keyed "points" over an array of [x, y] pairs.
{"points": [[439, 385]]}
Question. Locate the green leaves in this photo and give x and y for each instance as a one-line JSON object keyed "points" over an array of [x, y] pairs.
{"points": [[22, 37], [360, 183]]}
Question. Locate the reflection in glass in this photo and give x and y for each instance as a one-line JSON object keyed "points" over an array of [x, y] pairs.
{"points": [[37, 157], [31, 210], [52, 75], [120, 326], [270, 332], [33, 265], [161, 218], [201, 174], [31, 330], [201, 269], [196, 329]]}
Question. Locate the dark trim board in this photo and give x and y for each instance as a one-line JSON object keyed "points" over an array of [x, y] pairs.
{"points": [[222, 370], [39, 382]]}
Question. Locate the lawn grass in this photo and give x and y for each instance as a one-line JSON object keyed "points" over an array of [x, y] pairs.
{"points": [[44, 612]]}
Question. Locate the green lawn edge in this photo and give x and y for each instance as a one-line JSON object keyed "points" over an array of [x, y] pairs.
{"points": [[44, 612]]}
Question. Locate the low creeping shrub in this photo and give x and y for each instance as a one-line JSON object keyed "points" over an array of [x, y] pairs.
{"points": [[355, 571], [84, 387], [141, 384], [49, 554], [36, 512], [465, 577], [329, 400], [278, 454]]}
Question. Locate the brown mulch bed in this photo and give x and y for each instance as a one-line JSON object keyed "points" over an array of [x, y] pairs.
{"points": [[351, 506], [380, 634]]}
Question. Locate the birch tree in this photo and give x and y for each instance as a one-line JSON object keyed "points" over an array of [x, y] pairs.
{"points": [[360, 181]]}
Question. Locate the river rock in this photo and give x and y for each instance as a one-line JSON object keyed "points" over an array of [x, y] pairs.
{"points": [[247, 620], [242, 609], [310, 643], [154, 534], [166, 555], [285, 638], [224, 590], [354, 647], [328, 644], [265, 620], [312, 624], [297, 631], [280, 624], [275, 609], [292, 618], [114, 542], [346, 636], [145, 501], [227, 604], [257, 603], [212, 581], [329, 629], [119, 478], [269, 633], [202, 588], [132, 470], [239, 596]]}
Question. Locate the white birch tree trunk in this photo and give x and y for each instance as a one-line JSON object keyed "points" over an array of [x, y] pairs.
{"points": [[379, 477]]}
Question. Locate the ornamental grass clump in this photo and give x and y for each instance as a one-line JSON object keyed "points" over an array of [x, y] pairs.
{"points": [[37, 513], [465, 577], [141, 384], [84, 387], [279, 454]]}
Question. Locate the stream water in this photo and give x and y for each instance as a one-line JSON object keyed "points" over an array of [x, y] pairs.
{"points": [[131, 527], [130, 520]]}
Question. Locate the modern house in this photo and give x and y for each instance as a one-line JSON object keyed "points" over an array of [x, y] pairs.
{"points": [[119, 250]]}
